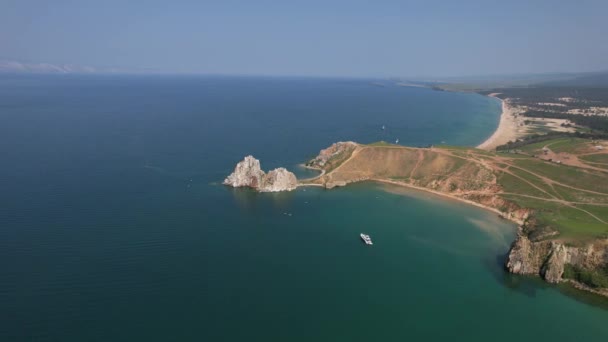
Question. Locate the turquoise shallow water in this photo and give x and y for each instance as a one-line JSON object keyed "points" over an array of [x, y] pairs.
{"points": [[113, 226]]}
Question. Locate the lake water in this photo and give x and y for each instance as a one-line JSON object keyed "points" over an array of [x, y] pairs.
{"points": [[113, 225]]}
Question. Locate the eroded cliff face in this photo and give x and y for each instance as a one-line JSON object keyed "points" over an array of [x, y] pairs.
{"points": [[549, 259], [248, 173], [525, 256], [509, 210]]}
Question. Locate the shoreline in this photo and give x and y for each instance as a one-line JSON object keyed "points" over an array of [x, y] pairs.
{"points": [[506, 130], [445, 196], [304, 166]]}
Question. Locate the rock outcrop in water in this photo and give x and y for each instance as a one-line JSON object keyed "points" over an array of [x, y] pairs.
{"points": [[248, 173], [279, 180]]}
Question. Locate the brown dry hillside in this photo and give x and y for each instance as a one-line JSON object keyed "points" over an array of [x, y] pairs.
{"points": [[431, 168]]}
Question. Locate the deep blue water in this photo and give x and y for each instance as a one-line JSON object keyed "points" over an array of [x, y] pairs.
{"points": [[113, 225]]}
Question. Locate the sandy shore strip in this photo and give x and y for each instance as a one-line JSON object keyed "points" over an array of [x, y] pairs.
{"points": [[446, 196], [507, 128], [443, 195]]}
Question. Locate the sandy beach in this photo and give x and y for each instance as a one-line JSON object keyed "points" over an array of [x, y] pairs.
{"points": [[507, 128], [443, 195]]}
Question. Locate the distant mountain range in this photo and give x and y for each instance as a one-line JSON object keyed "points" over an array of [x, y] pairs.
{"points": [[15, 67]]}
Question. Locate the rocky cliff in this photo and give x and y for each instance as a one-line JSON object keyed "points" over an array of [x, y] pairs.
{"points": [[551, 260], [248, 173], [525, 256], [336, 154]]}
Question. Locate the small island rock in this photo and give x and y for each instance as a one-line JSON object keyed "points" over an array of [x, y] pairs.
{"points": [[248, 173]]}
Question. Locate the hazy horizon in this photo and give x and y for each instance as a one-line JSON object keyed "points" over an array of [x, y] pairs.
{"points": [[43, 68], [436, 39]]}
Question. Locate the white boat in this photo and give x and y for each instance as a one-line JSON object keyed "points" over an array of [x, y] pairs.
{"points": [[366, 239], [383, 128], [397, 141]]}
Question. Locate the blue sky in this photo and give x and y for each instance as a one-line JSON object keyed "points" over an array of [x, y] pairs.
{"points": [[310, 38]]}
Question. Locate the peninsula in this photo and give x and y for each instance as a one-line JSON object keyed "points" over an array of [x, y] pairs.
{"points": [[555, 190]]}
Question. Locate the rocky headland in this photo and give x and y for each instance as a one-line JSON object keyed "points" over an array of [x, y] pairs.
{"points": [[334, 155], [493, 182], [519, 189], [248, 173]]}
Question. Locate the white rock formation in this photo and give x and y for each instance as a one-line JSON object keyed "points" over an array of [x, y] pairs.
{"points": [[248, 173], [279, 180]]}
